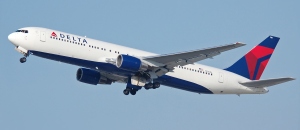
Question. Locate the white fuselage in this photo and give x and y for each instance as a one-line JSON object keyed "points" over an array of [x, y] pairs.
{"points": [[87, 52]]}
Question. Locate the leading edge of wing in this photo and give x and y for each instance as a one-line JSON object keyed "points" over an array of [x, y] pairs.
{"points": [[165, 58]]}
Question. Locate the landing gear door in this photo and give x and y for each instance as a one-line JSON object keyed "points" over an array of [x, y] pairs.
{"points": [[221, 77], [42, 36]]}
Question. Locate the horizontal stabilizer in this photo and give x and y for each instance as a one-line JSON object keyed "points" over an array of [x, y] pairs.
{"points": [[266, 82]]}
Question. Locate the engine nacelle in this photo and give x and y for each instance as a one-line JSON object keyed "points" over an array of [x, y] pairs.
{"points": [[130, 63], [88, 76], [91, 77]]}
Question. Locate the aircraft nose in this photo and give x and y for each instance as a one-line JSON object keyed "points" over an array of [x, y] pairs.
{"points": [[11, 37]]}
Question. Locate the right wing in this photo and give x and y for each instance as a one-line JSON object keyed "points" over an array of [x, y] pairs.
{"points": [[266, 82]]}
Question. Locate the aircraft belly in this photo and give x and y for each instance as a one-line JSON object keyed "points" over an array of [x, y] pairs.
{"points": [[107, 67], [179, 79]]}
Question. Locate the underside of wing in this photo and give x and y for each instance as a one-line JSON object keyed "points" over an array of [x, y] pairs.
{"points": [[266, 82]]}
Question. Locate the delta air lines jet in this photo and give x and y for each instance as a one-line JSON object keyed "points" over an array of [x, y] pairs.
{"points": [[106, 63]]}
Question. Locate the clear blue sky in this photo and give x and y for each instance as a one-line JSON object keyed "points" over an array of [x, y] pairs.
{"points": [[44, 95]]}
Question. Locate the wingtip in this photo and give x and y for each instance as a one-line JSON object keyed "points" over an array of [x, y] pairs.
{"points": [[292, 78], [240, 44]]}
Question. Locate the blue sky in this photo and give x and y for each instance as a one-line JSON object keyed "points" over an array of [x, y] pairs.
{"points": [[43, 94]]}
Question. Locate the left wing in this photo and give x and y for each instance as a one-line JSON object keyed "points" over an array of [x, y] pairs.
{"points": [[171, 60]]}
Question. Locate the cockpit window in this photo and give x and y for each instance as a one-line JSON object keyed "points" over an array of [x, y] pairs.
{"points": [[23, 31]]}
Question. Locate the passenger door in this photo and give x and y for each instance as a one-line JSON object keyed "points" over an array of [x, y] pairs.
{"points": [[221, 77], [42, 36]]}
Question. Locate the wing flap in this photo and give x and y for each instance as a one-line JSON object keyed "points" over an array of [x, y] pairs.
{"points": [[266, 82]]}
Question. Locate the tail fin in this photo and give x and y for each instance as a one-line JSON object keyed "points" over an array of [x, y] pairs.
{"points": [[252, 65]]}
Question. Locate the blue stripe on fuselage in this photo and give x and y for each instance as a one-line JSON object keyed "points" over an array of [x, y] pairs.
{"points": [[165, 79], [84, 63], [182, 84]]}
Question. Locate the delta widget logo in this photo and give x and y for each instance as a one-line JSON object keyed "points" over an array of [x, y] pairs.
{"points": [[69, 37]]}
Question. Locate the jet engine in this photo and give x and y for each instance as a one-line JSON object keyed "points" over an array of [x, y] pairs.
{"points": [[131, 63], [91, 77]]}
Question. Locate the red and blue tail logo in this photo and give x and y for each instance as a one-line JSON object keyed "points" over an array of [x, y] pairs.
{"points": [[253, 64]]}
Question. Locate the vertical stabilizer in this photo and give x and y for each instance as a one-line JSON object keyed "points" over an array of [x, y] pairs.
{"points": [[252, 64]]}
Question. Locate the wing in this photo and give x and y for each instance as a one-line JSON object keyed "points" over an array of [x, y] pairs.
{"points": [[266, 82], [171, 60]]}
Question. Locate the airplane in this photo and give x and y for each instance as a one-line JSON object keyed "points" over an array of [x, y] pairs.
{"points": [[106, 63]]}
